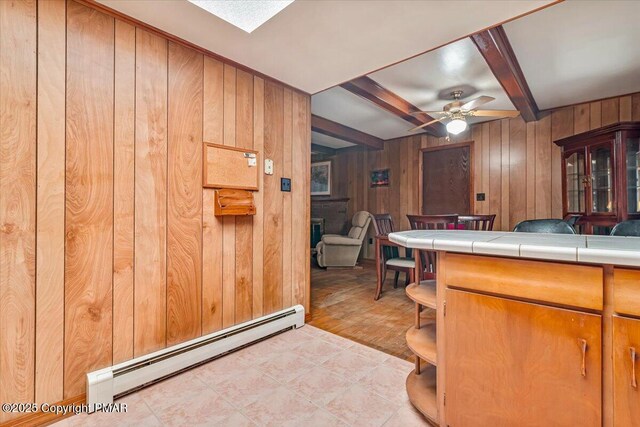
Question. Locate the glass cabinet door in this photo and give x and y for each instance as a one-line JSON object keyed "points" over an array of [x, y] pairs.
{"points": [[575, 175], [633, 174], [601, 178]]}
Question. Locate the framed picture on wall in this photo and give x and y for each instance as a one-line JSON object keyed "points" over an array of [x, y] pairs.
{"points": [[380, 178], [321, 178]]}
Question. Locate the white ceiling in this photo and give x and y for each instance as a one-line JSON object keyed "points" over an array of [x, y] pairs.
{"points": [[329, 141], [579, 51], [313, 45], [344, 107], [420, 80]]}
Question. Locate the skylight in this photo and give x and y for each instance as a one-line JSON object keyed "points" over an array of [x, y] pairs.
{"points": [[244, 14]]}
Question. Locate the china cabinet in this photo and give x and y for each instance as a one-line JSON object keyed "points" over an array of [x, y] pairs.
{"points": [[601, 176]]}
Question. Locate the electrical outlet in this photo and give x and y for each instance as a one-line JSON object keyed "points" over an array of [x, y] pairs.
{"points": [[268, 167], [285, 184]]}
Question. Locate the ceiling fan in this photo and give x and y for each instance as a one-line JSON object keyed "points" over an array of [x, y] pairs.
{"points": [[458, 111]]}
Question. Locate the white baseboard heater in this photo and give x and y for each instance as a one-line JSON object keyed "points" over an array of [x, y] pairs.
{"points": [[104, 384]]}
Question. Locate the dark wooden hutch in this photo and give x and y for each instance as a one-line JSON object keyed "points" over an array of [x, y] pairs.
{"points": [[601, 176]]}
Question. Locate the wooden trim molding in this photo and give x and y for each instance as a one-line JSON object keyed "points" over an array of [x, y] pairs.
{"points": [[370, 90], [45, 418], [340, 131], [494, 46]]}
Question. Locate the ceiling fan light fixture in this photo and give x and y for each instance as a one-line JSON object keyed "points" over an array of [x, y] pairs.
{"points": [[456, 126]]}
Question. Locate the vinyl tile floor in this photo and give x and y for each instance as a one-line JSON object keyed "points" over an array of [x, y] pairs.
{"points": [[304, 377]]}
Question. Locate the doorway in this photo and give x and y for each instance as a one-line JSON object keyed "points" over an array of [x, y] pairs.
{"points": [[447, 179]]}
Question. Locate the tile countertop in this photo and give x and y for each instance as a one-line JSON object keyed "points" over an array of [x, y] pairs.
{"points": [[553, 247]]}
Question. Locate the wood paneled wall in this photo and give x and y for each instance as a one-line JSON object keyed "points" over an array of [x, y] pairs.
{"points": [[516, 165], [108, 244]]}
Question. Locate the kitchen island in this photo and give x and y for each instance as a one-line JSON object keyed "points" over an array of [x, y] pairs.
{"points": [[528, 329]]}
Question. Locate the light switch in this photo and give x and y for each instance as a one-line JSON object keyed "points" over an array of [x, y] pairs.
{"points": [[268, 167]]}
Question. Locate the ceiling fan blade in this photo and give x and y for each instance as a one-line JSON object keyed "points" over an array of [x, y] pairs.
{"points": [[475, 103], [415, 113], [426, 124], [496, 113]]}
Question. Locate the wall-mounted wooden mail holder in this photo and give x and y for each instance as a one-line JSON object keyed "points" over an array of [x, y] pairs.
{"points": [[230, 167], [228, 201]]}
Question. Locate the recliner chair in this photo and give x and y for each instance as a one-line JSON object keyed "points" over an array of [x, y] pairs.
{"points": [[342, 251]]}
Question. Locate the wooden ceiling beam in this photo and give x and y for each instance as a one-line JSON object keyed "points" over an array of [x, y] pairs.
{"points": [[345, 133], [494, 46], [393, 103]]}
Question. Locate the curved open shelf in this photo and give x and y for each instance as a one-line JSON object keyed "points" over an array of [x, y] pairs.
{"points": [[423, 342], [422, 392], [424, 293]]}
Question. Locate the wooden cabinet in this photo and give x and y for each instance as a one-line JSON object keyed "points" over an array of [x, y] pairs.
{"points": [[626, 372], [601, 176], [517, 363]]}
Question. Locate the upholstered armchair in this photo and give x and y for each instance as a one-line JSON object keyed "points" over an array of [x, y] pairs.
{"points": [[342, 251]]}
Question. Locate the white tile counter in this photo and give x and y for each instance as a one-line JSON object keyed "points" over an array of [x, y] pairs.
{"points": [[552, 247]]}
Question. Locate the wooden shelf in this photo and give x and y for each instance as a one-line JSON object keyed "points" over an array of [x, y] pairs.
{"points": [[423, 342], [422, 392], [423, 294]]}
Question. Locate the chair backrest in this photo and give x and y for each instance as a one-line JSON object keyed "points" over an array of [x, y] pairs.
{"points": [[383, 224], [630, 228], [572, 219], [557, 226], [359, 225], [433, 222], [477, 222]]}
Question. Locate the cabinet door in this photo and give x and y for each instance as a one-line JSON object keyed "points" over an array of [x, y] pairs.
{"points": [[602, 178], [511, 363], [575, 181], [626, 372]]}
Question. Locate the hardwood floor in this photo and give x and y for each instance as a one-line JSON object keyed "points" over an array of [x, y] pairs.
{"points": [[342, 303]]}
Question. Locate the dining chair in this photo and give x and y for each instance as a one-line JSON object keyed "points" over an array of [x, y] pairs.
{"points": [[477, 222], [557, 226], [630, 228], [431, 222], [391, 259]]}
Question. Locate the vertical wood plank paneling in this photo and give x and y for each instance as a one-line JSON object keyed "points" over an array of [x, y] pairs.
{"points": [[299, 198], [89, 192], [287, 288], [517, 171], [476, 136], [635, 106], [184, 194], [581, 118], [49, 368], [213, 131], [150, 193], [229, 222], [561, 127], [625, 109], [307, 196], [610, 111], [486, 146], [123, 190], [505, 173], [244, 225], [258, 198], [595, 115], [543, 160], [495, 171], [18, 40], [273, 140]]}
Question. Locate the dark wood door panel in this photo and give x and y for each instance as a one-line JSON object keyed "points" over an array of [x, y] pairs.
{"points": [[446, 177]]}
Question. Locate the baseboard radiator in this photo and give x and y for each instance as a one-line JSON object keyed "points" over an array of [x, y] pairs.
{"points": [[105, 384]]}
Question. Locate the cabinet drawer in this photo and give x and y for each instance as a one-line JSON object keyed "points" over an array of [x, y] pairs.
{"points": [[564, 284], [626, 291]]}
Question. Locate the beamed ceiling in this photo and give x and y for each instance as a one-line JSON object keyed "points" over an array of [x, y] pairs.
{"points": [[568, 53]]}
